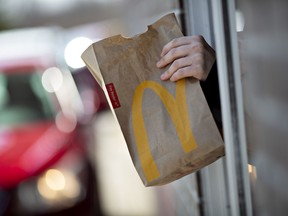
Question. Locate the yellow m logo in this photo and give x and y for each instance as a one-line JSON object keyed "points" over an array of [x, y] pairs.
{"points": [[178, 111]]}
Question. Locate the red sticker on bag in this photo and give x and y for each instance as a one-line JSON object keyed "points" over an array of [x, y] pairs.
{"points": [[113, 95]]}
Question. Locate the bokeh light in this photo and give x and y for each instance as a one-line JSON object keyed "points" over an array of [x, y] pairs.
{"points": [[73, 51], [52, 79]]}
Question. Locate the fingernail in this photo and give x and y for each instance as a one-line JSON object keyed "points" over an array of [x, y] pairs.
{"points": [[163, 76]]}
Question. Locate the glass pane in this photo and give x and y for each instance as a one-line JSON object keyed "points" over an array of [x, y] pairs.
{"points": [[263, 54], [22, 99]]}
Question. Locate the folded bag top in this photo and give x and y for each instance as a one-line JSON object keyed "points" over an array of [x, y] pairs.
{"points": [[168, 127]]}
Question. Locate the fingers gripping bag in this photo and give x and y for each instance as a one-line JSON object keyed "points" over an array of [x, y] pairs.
{"points": [[168, 127]]}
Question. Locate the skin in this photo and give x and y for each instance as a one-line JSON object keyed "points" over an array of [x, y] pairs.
{"points": [[189, 56]]}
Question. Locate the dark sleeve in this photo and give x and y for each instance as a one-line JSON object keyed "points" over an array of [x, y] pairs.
{"points": [[210, 89]]}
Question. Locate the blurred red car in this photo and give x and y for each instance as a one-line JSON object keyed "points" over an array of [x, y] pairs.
{"points": [[44, 166]]}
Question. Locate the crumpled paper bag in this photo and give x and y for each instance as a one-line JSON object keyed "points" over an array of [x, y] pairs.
{"points": [[168, 127]]}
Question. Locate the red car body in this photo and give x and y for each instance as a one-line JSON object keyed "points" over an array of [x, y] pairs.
{"points": [[38, 131], [29, 146]]}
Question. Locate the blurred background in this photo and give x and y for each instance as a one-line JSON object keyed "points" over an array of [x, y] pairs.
{"points": [[61, 151]]}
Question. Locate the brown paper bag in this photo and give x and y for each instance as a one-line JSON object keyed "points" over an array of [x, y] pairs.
{"points": [[168, 127]]}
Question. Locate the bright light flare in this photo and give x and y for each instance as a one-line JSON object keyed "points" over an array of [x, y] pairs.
{"points": [[252, 172], [56, 185], [74, 50], [52, 79], [240, 21], [55, 180]]}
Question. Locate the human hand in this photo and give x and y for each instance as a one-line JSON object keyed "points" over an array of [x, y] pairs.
{"points": [[191, 56]]}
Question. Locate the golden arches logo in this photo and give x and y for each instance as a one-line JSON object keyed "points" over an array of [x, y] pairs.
{"points": [[177, 110]]}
